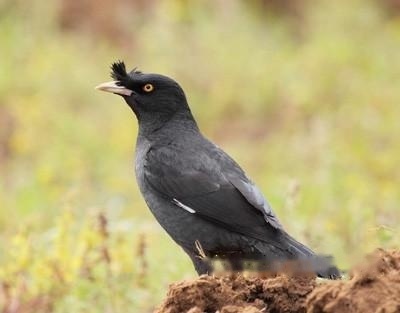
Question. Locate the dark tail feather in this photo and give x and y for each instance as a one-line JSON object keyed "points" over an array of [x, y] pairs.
{"points": [[322, 265]]}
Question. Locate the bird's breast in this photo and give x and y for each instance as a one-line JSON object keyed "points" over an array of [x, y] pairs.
{"points": [[142, 147]]}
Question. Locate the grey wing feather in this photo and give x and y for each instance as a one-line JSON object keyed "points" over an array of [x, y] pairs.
{"points": [[254, 196]]}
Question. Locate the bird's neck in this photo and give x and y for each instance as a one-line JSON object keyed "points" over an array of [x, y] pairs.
{"points": [[167, 124]]}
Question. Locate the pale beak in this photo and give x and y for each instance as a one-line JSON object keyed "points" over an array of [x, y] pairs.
{"points": [[114, 88]]}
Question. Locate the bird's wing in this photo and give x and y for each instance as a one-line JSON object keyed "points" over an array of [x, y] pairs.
{"points": [[211, 185], [254, 196]]}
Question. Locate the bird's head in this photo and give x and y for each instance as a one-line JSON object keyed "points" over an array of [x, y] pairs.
{"points": [[151, 96]]}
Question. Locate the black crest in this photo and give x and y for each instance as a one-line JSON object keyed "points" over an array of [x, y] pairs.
{"points": [[118, 71]]}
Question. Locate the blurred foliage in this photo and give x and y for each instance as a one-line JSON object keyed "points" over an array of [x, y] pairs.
{"points": [[303, 94]]}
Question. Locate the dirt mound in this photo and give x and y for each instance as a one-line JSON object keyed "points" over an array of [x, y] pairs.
{"points": [[374, 286], [235, 293]]}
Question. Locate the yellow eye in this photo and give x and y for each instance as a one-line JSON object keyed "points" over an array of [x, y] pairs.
{"points": [[148, 88]]}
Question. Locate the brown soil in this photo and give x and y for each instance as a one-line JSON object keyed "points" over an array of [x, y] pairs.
{"points": [[373, 286]]}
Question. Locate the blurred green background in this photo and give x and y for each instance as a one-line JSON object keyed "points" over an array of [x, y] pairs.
{"points": [[303, 94]]}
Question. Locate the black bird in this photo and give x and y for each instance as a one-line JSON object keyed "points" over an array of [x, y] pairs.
{"points": [[197, 192]]}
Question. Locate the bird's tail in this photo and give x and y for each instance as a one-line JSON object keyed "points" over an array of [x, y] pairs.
{"points": [[322, 265]]}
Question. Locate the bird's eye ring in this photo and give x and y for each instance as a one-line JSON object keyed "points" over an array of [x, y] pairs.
{"points": [[148, 88]]}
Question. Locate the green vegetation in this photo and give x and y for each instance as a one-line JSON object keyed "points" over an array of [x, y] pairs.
{"points": [[306, 99]]}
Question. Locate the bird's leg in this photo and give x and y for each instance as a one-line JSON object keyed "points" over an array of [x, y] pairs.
{"points": [[201, 263], [202, 266]]}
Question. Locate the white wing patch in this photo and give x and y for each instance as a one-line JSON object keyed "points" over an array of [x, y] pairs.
{"points": [[185, 207]]}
